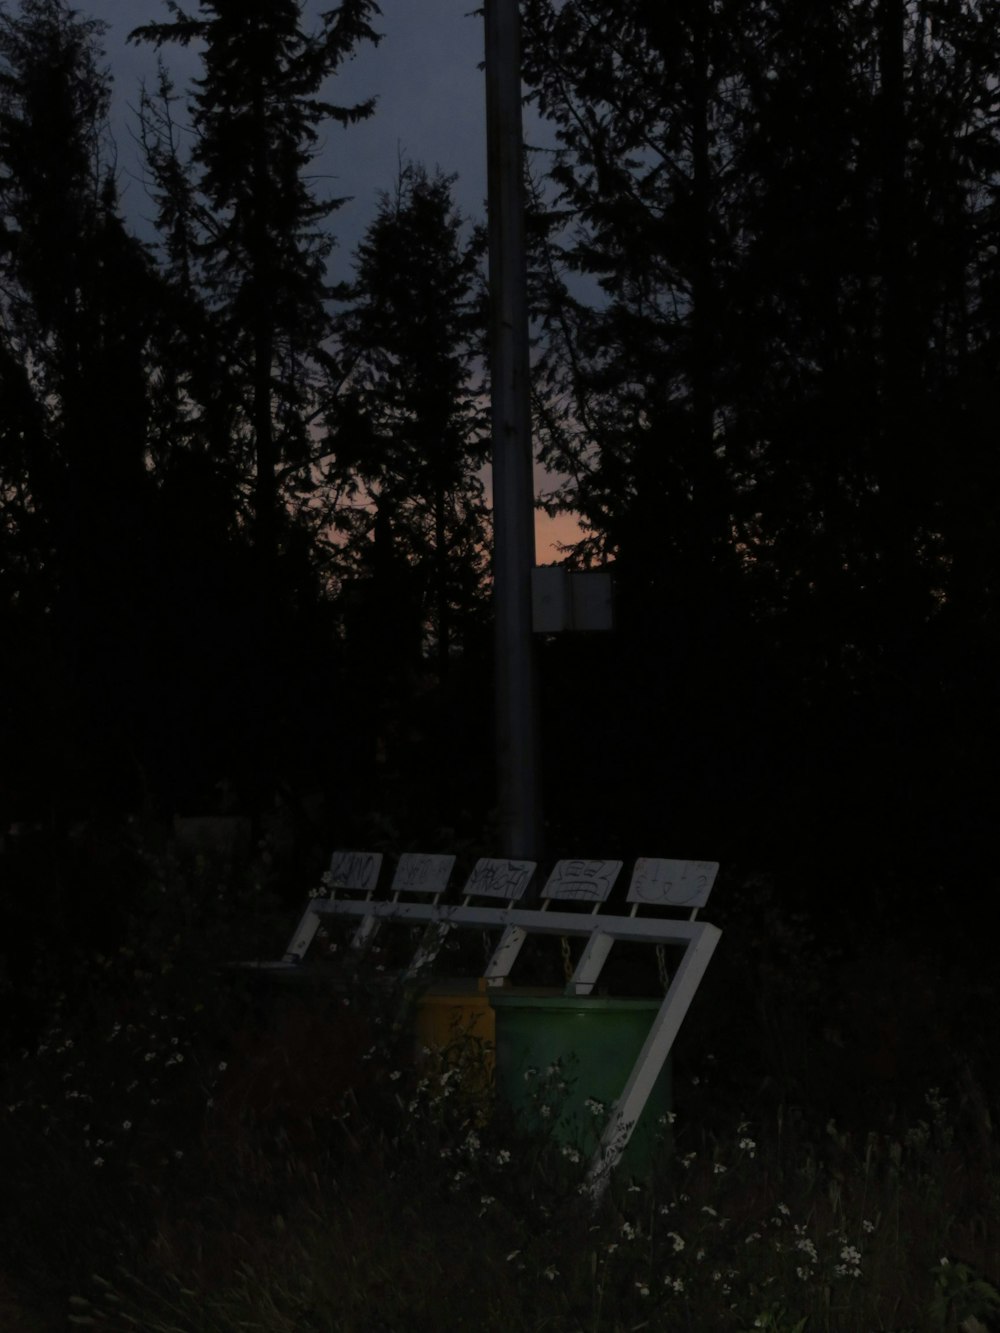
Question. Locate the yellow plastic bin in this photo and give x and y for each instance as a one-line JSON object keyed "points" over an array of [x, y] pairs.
{"points": [[454, 1026]]}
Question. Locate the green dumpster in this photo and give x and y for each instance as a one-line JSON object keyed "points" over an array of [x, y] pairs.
{"points": [[589, 1043]]}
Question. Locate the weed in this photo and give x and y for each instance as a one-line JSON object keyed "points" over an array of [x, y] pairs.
{"points": [[181, 1154]]}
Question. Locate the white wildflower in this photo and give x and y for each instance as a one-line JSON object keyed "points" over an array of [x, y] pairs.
{"points": [[808, 1248], [850, 1265]]}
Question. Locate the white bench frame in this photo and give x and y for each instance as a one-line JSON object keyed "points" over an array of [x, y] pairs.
{"points": [[491, 878], [689, 887], [358, 872]]}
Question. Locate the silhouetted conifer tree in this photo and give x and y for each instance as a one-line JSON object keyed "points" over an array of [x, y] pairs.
{"points": [[245, 239], [244, 225], [80, 323], [415, 441], [410, 443], [769, 292]]}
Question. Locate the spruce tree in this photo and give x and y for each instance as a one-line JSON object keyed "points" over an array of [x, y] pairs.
{"points": [[410, 440], [250, 223], [246, 238], [79, 330], [773, 408], [414, 437]]}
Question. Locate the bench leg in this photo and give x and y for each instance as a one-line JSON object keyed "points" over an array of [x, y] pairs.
{"points": [[428, 949], [505, 955], [305, 933], [651, 1060], [588, 969]]}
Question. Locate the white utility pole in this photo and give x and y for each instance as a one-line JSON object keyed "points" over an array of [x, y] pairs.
{"points": [[519, 786]]}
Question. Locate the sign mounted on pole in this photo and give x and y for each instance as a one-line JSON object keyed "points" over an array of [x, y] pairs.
{"points": [[571, 599]]}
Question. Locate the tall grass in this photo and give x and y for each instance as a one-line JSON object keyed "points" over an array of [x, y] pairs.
{"points": [[181, 1151]]}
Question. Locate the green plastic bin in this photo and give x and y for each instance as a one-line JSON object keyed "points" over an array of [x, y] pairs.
{"points": [[593, 1042]]}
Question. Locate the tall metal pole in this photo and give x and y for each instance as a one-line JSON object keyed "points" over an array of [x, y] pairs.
{"points": [[519, 792]]}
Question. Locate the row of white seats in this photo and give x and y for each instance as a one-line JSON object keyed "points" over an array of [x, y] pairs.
{"points": [[491, 898]]}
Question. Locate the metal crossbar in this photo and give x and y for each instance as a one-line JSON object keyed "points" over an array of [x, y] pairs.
{"points": [[639, 929]]}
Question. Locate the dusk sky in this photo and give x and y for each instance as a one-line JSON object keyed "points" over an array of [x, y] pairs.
{"points": [[425, 74]]}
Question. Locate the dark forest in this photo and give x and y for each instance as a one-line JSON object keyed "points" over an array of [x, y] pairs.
{"points": [[245, 545], [245, 530]]}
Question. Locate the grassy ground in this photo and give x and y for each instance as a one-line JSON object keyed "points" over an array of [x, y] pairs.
{"points": [[179, 1152]]}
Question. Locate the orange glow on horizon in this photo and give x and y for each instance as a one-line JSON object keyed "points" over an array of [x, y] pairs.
{"points": [[549, 532]]}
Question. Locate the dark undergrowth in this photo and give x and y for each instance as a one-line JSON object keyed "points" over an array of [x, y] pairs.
{"points": [[184, 1152]]}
